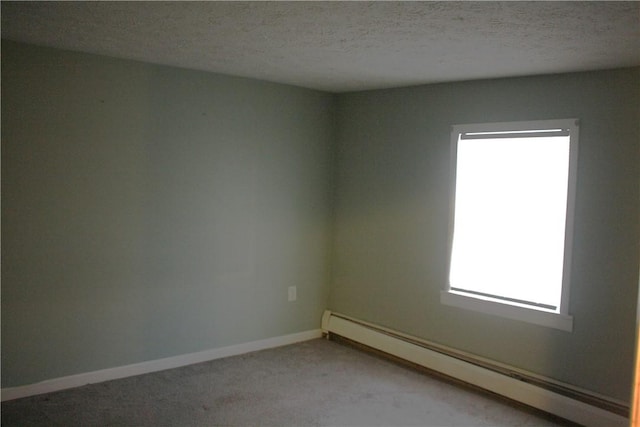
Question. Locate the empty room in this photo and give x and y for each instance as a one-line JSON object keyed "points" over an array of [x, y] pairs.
{"points": [[320, 213]]}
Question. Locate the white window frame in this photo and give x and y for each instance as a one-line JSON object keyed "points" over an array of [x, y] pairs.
{"points": [[559, 318]]}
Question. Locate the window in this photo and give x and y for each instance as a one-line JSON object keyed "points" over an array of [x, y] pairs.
{"points": [[511, 225]]}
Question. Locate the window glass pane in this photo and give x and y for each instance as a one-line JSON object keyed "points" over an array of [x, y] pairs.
{"points": [[510, 215]]}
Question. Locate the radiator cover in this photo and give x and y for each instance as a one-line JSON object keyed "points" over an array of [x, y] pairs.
{"points": [[549, 396]]}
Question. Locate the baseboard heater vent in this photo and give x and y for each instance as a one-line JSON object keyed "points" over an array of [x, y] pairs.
{"points": [[553, 397]]}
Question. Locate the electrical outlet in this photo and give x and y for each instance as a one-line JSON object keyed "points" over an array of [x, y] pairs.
{"points": [[293, 293]]}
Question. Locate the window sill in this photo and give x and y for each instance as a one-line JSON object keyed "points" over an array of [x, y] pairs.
{"points": [[512, 311]]}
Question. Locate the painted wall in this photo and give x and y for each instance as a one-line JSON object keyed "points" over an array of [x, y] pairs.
{"points": [[151, 211], [392, 210]]}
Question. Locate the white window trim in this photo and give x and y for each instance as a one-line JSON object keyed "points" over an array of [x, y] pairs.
{"points": [[559, 319]]}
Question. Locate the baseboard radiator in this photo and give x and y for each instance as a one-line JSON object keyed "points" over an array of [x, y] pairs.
{"points": [[550, 396]]}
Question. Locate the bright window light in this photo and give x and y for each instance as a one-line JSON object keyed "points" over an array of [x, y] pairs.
{"points": [[510, 220]]}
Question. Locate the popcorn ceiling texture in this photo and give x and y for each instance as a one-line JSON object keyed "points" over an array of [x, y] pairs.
{"points": [[342, 46]]}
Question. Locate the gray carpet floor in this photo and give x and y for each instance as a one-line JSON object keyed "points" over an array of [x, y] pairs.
{"points": [[314, 383]]}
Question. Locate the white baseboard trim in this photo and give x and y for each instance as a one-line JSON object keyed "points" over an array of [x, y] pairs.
{"points": [[78, 380], [399, 345]]}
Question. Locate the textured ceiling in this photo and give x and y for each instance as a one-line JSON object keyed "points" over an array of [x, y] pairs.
{"points": [[342, 46]]}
